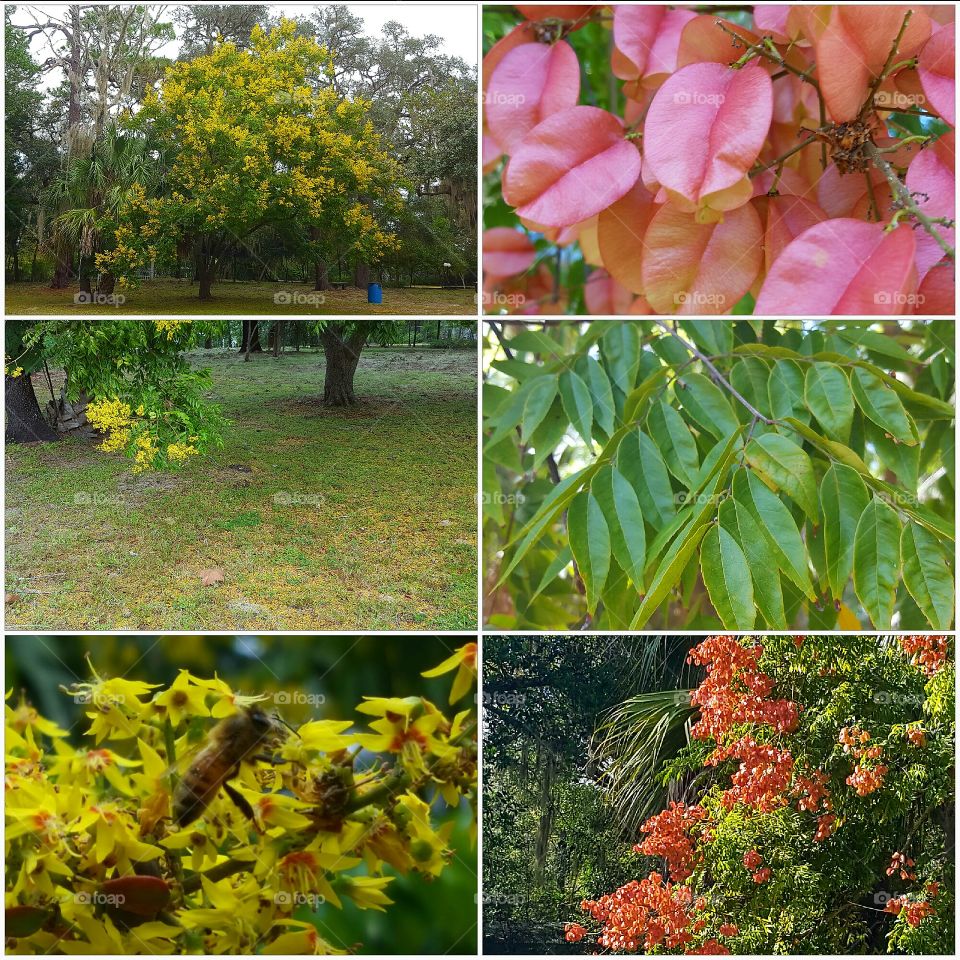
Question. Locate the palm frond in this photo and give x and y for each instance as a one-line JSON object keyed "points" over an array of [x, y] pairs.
{"points": [[79, 226], [631, 744]]}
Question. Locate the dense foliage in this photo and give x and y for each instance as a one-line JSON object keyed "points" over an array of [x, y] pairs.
{"points": [[698, 473], [784, 160], [144, 396], [815, 806]]}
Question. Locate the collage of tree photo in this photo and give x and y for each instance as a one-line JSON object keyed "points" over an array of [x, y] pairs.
{"points": [[480, 479]]}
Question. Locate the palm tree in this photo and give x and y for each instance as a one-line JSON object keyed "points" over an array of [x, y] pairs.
{"points": [[95, 185], [636, 737]]}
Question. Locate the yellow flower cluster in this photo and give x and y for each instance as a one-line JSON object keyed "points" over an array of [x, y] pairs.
{"points": [[177, 452], [362, 171], [360, 218], [136, 432], [98, 862], [171, 327], [146, 453], [125, 256], [111, 417]]}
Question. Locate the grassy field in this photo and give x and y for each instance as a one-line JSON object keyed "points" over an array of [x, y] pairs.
{"points": [[352, 519], [180, 297]]}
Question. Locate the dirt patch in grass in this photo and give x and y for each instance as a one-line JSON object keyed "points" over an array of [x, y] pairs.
{"points": [[354, 519], [148, 484]]}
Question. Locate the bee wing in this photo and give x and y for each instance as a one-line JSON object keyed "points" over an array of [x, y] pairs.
{"points": [[185, 757]]}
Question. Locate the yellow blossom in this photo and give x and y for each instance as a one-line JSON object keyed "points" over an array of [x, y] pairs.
{"points": [[367, 892], [407, 726], [183, 699], [203, 850], [304, 939], [464, 660]]}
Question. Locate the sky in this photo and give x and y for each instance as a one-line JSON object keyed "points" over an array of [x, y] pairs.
{"points": [[456, 24]]}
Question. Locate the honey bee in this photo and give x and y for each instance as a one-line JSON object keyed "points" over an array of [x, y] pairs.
{"points": [[234, 740]]}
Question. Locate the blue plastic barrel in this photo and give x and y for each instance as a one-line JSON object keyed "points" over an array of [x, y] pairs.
{"points": [[374, 293]]}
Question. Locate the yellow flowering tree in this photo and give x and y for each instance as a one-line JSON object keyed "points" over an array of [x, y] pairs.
{"points": [[255, 138], [98, 861], [140, 391]]}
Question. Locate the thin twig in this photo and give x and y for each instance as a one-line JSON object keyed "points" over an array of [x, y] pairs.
{"points": [[882, 75], [823, 123], [773, 56], [905, 201], [911, 111], [714, 372], [783, 156], [872, 195]]}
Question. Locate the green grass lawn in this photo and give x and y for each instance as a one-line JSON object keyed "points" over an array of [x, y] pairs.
{"points": [[180, 297], [355, 519]]}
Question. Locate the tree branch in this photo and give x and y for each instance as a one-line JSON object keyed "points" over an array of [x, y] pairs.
{"points": [[904, 199], [783, 156], [768, 51], [714, 372], [772, 55], [882, 75]]}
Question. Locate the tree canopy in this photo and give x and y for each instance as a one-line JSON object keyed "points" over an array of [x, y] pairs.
{"points": [[251, 143]]}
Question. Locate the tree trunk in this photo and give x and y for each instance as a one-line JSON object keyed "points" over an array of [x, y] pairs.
{"points": [[321, 276], [63, 269], [25, 422], [205, 277], [342, 356], [277, 333], [16, 261], [107, 283], [361, 275], [250, 337], [321, 272]]}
